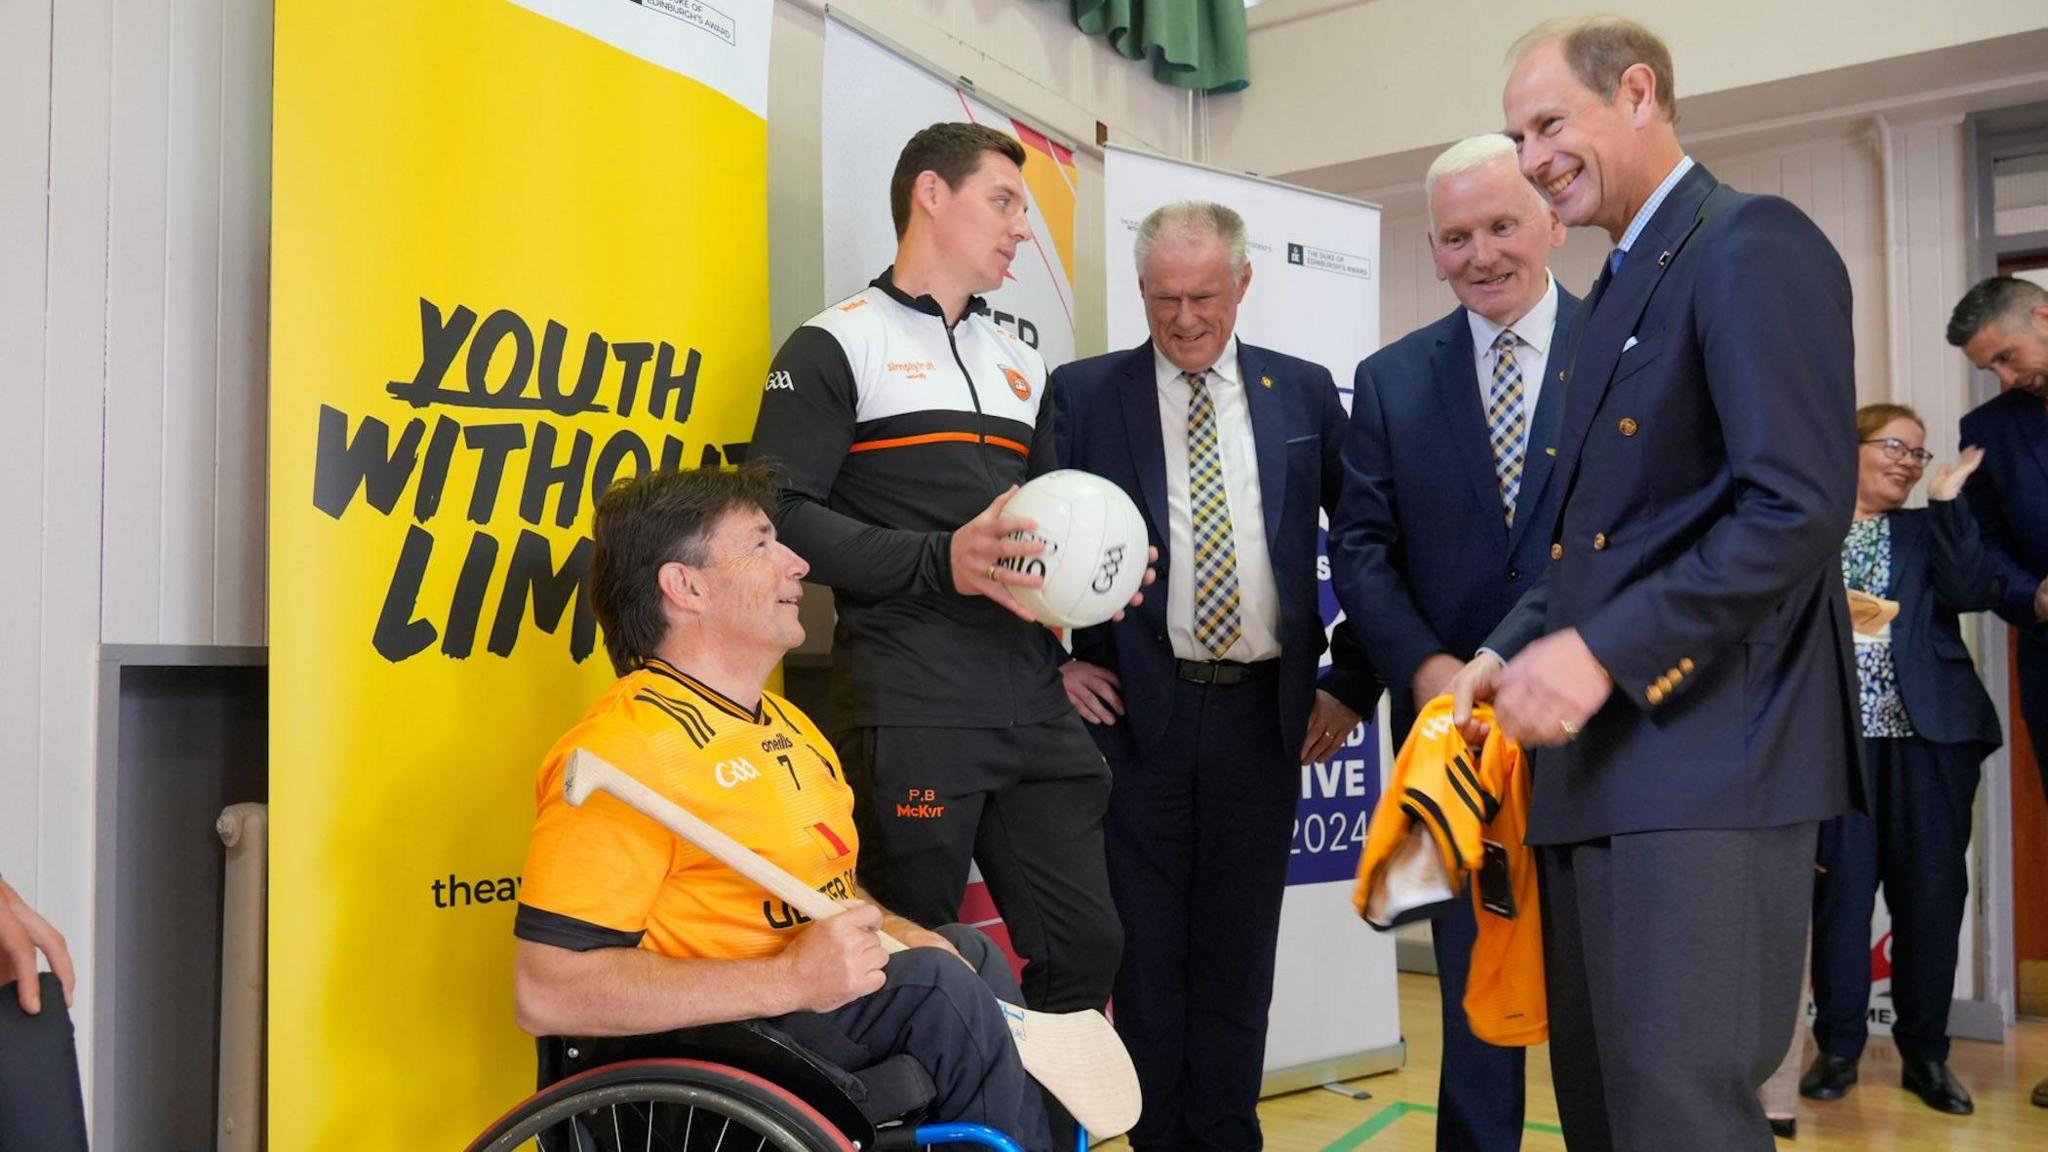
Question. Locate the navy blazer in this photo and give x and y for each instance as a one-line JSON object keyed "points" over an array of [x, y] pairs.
{"points": [[1106, 421], [2008, 494], [1939, 569], [1708, 457], [1420, 555]]}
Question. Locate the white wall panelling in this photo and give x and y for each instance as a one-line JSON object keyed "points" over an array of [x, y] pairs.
{"points": [[242, 348], [24, 244], [56, 61], [188, 287], [136, 314], [1932, 256]]}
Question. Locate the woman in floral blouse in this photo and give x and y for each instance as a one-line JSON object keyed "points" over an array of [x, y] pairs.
{"points": [[1927, 726]]}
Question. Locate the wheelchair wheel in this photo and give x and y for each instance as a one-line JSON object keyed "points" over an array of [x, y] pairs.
{"points": [[662, 1106]]}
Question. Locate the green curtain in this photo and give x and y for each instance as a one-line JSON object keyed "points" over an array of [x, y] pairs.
{"points": [[1191, 43]]}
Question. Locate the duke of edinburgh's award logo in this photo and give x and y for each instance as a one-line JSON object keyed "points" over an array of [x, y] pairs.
{"points": [[1018, 383], [1329, 260]]}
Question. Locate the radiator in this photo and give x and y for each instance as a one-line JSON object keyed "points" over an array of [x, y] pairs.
{"points": [[245, 830]]}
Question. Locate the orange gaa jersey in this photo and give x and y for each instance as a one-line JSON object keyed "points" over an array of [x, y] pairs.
{"points": [[603, 875], [1467, 810]]}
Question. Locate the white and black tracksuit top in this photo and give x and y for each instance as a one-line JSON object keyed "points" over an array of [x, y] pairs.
{"points": [[892, 430]]}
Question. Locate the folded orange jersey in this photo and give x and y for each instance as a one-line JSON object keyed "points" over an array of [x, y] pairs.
{"points": [[1450, 815]]}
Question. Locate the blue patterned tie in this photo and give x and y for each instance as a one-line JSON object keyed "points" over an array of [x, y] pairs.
{"points": [[1504, 422], [1216, 622]]}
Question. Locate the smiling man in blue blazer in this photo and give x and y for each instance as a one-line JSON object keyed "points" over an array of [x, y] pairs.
{"points": [[1683, 673], [1448, 501], [1205, 701], [2001, 324]]}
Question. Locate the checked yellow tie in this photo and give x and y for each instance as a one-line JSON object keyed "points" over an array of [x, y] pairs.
{"points": [[1216, 620], [1506, 424]]}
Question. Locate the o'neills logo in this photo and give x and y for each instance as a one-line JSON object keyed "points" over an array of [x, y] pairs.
{"points": [[1018, 383]]}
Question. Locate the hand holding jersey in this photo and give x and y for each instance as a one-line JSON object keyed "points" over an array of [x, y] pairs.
{"points": [[1549, 691], [1453, 811]]}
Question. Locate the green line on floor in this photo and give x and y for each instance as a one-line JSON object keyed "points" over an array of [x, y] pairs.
{"points": [[1386, 1118], [1380, 1122]]}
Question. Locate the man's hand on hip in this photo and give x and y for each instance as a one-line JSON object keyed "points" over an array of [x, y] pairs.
{"points": [[1093, 690], [1550, 690]]}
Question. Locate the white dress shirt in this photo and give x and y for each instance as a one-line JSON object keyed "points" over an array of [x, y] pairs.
{"points": [[1656, 201], [1532, 355], [1258, 595]]}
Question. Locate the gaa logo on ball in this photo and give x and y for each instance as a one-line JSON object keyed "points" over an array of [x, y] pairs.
{"points": [[1094, 556]]}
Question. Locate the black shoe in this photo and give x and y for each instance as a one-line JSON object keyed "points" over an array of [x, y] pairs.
{"points": [[1827, 1078], [1785, 1129], [2041, 1093], [1936, 1086]]}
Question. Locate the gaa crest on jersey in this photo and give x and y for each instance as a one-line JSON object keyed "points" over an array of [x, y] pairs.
{"points": [[1018, 383]]}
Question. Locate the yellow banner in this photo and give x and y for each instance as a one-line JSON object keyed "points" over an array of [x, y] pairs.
{"points": [[511, 261]]}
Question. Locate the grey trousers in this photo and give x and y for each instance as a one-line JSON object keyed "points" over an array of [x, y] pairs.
{"points": [[1673, 961]]}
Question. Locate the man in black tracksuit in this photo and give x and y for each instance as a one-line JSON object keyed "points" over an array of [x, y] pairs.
{"points": [[903, 417]]}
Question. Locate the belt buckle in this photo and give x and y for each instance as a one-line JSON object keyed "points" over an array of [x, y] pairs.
{"points": [[1210, 672]]}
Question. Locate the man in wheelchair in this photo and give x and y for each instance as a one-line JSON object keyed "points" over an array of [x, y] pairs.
{"points": [[625, 930]]}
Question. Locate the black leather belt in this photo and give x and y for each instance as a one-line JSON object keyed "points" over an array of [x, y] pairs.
{"points": [[1217, 671]]}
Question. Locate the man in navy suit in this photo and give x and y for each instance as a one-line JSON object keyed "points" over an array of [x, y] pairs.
{"points": [[1448, 502], [1683, 673], [2001, 324], [1205, 701]]}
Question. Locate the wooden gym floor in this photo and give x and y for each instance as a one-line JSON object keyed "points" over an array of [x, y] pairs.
{"points": [[1877, 1114]]}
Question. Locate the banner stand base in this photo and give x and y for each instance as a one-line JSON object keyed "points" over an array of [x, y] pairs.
{"points": [[1317, 1073]]}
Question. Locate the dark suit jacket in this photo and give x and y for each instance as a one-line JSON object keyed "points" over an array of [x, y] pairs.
{"points": [[1939, 569], [1708, 457], [1419, 554], [1106, 421], [2008, 494]]}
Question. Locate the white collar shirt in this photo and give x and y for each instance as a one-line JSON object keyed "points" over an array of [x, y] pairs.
{"points": [[1258, 592], [1532, 350]]}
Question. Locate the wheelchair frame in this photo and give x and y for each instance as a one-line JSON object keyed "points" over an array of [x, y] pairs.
{"points": [[746, 1074]]}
